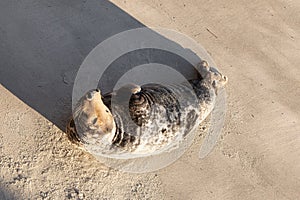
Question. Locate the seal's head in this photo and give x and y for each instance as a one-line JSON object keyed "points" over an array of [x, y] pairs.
{"points": [[93, 120]]}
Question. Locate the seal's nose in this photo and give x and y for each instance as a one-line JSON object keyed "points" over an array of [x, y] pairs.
{"points": [[90, 95]]}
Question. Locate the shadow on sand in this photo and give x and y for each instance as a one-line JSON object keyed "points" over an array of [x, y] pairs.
{"points": [[6, 195], [43, 43]]}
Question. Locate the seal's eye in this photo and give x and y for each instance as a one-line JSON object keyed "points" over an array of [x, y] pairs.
{"points": [[97, 90], [95, 120]]}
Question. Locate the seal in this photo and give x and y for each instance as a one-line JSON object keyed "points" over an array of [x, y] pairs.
{"points": [[144, 119]]}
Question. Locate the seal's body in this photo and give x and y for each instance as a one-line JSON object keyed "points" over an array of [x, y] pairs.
{"points": [[144, 120]]}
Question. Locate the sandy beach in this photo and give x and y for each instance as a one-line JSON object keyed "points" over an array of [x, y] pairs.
{"points": [[256, 44]]}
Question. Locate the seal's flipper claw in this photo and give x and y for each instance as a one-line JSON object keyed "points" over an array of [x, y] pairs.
{"points": [[203, 68], [136, 89], [133, 88]]}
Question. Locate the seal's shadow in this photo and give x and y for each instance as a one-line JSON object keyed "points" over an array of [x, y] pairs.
{"points": [[6, 195], [149, 57], [43, 44]]}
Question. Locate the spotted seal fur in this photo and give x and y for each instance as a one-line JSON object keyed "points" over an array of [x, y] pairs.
{"points": [[158, 115]]}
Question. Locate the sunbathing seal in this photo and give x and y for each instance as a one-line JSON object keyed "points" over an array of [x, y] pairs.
{"points": [[151, 119]]}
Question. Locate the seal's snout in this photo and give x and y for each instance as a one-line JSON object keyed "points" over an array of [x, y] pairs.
{"points": [[90, 95]]}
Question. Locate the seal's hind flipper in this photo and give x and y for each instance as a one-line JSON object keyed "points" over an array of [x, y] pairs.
{"points": [[212, 76]]}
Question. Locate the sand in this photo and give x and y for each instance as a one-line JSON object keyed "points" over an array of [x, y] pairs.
{"points": [[256, 44]]}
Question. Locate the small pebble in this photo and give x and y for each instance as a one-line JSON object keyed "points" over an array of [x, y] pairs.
{"points": [[80, 196]]}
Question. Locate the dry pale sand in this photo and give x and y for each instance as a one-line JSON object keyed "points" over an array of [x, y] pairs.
{"points": [[256, 44]]}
